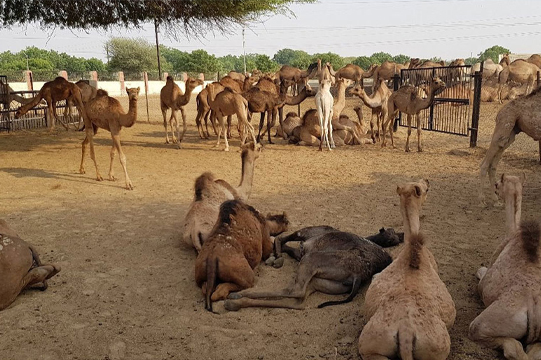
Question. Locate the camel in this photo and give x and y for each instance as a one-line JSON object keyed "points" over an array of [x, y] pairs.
{"points": [[236, 75], [203, 112], [291, 121], [376, 101], [105, 112], [237, 244], [535, 59], [331, 261], [509, 288], [88, 92], [519, 115], [417, 63], [227, 103], [295, 75], [54, 91], [349, 132], [324, 104], [210, 193], [351, 72], [12, 96], [385, 71], [408, 306], [20, 266], [490, 69], [407, 100], [171, 97], [520, 71]]}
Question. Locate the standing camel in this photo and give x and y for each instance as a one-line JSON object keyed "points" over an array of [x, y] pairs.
{"points": [[106, 112], [519, 71], [351, 72], [376, 102], [171, 97], [324, 105], [407, 100], [54, 91], [385, 71], [88, 92], [295, 75], [519, 115]]}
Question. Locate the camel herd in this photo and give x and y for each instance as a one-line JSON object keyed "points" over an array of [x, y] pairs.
{"points": [[408, 308]]}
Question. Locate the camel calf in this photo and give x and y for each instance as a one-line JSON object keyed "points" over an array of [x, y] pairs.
{"points": [[510, 287], [20, 267], [331, 261], [237, 244], [408, 305]]}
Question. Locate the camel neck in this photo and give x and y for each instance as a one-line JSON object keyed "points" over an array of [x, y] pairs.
{"points": [[513, 210], [130, 117], [410, 216], [247, 177], [297, 99]]}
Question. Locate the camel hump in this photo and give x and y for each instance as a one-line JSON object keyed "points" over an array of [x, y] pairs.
{"points": [[416, 245], [102, 92], [227, 88], [530, 235], [201, 184]]}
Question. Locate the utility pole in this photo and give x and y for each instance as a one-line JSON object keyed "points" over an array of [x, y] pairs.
{"points": [[244, 49], [157, 49]]}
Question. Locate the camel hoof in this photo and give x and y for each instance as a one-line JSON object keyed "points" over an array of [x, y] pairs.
{"points": [[231, 305], [99, 178], [226, 149], [82, 171], [112, 178], [419, 150], [270, 261], [129, 186], [278, 263], [234, 296], [167, 141], [408, 150]]}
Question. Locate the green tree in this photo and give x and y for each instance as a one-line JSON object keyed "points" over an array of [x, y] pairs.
{"points": [[380, 57], [200, 61], [336, 60], [176, 58], [94, 64], [493, 53], [231, 63], [266, 64], [401, 59], [363, 62], [297, 58], [471, 61], [131, 55]]}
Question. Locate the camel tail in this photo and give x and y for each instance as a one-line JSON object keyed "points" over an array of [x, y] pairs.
{"points": [[530, 235], [212, 272], [416, 245], [201, 183], [405, 342], [354, 291]]}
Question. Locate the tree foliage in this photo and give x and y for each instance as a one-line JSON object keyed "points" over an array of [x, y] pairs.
{"points": [[188, 16], [131, 55], [363, 62], [493, 53], [266, 64], [380, 57], [297, 58], [334, 59]]}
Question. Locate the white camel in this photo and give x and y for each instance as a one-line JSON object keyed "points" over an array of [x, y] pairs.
{"points": [[324, 104]]}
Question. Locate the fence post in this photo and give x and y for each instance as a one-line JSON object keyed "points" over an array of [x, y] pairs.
{"points": [[94, 78], [145, 76], [183, 76], [477, 77], [396, 85], [165, 75], [202, 76], [29, 80], [63, 73], [431, 112], [121, 79]]}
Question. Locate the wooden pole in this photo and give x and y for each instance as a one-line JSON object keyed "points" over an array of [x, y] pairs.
{"points": [[158, 49], [145, 74]]}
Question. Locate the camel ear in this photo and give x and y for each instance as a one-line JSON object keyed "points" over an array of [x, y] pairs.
{"points": [[418, 191], [398, 189], [382, 230], [138, 88], [502, 178]]}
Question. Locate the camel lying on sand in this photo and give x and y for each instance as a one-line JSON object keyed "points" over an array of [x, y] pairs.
{"points": [[20, 266], [409, 307], [237, 244], [331, 261], [510, 287], [210, 193]]}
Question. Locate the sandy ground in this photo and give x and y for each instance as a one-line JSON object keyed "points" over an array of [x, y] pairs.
{"points": [[127, 290]]}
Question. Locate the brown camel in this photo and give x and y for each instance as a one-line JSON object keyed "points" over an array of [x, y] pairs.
{"points": [[535, 59], [228, 103], [520, 115], [519, 71], [490, 69], [386, 71], [417, 63], [331, 261], [203, 112], [376, 101], [12, 96], [20, 266], [211, 192], [509, 288], [88, 92], [351, 72], [171, 97], [106, 112], [407, 100], [236, 75], [295, 75], [54, 91], [408, 306], [237, 244]]}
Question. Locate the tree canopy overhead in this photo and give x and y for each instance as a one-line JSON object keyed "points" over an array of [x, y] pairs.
{"points": [[189, 16]]}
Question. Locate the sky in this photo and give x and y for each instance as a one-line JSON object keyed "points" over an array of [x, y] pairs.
{"points": [[418, 28]]}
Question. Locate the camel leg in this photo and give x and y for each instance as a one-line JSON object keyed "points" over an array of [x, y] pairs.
{"points": [[379, 120], [281, 120], [372, 129], [173, 121], [89, 139], [271, 120], [409, 133], [111, 172], [116, 144], [184, 126], [164, 114], [534, 351], [199, 123], [487, 328], [53, 104], [419, 130], [261, 124], [540, 151], [39, 275], [206, 117], [493, 156], [222, 129], [332, 145]]}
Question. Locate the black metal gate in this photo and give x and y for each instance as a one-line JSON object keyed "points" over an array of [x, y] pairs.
{"points": [[452, 111]]}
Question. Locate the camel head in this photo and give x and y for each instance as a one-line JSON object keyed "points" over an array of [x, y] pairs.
{"points": [[193, 83], [277, 223], [250, 146], [414, 190], [19, 113], [133, 93], [437, 85], [357, 90], [414, 62], [509, 185]]}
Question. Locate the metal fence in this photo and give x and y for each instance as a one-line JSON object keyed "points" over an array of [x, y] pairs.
{"points": [[452, 110]]}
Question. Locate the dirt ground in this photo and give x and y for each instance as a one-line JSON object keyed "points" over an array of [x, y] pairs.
{"points": [[127, 289]]}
